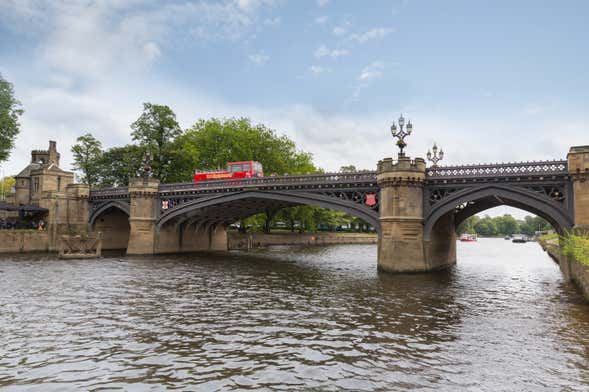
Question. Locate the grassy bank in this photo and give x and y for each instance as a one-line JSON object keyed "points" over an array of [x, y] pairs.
{"points": [[573, 246]]}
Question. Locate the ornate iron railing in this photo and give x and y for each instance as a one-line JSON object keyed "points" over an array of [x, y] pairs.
{"points": [[540, 168], [307, 179], [518, 169]]}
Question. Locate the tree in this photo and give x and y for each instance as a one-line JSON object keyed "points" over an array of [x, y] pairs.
{"points": [[468, 225], [486, 226], [87, 154], [156, 129], [6, 183], [348, 169], [210, 144], [118, 164], [10, 111], [506, 225]]}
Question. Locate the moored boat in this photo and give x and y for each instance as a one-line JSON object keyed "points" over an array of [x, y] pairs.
{"points": [[519, 239], [468, 237]]}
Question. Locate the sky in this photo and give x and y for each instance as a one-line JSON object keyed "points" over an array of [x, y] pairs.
{"points": [[488, 81]]}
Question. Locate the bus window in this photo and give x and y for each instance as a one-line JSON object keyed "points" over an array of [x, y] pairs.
{"points": [[235, 168], [246, 167]]}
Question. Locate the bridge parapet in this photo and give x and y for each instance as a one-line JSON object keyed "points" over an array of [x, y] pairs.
{"points": [[109, 193], [516, 169], [314, 180]]}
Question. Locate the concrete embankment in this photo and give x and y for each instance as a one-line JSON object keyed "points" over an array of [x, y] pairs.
{"points": [[572, 269], [253, 240], [22, 241]]}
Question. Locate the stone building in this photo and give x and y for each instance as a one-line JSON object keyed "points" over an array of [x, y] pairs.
{"points": [[43, 175], [47, 191]]}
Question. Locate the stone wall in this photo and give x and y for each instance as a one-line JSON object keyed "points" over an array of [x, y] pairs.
{"points": [[572, 270], [21, 241], [240, 241]]}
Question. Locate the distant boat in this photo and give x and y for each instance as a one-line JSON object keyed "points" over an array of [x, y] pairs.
{"points": [[519, 239], [468, 237]]}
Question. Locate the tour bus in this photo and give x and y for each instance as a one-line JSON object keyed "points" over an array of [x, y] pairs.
{"points": [[244, 169]]}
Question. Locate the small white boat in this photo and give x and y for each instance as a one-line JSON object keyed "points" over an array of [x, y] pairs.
{"points": [[468, 237]]}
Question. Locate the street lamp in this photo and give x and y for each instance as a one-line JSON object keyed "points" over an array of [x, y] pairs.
{"points": [[435, 157], [401, 133]]}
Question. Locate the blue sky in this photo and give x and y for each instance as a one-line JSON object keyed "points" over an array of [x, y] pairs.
{"points": [[487, 80]]}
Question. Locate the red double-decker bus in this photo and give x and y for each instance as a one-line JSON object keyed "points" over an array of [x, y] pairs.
{"points": [[245, 169]]}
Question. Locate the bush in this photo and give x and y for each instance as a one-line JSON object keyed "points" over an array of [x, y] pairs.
{"points": [[576, 247]]}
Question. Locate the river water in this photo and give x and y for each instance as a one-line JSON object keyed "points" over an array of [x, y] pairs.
{"points": [[292, 318]]}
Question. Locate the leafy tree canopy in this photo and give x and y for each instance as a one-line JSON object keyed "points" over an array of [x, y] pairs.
{"points": [[10, 111], [210, 144], [87, 153], [156, 129]]}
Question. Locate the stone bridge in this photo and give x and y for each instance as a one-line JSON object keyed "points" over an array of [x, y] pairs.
{"points": [[414, 209]]}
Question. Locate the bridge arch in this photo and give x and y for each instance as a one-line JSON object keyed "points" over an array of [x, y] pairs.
{"points": [[112, 219], [189, 210], [480, 198], [100, 210]]}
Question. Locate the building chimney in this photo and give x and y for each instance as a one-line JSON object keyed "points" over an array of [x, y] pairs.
{"points": [[53, 154]]}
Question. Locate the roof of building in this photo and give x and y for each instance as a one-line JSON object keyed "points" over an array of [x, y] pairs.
{"points": [[26, 172]]}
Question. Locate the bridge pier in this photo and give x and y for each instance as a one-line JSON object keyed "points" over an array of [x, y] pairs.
{"points": [[578, 166], [142, 217], [401, 247]]}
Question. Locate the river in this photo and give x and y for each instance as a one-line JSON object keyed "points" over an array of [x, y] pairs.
{"points": [[292, 318]]}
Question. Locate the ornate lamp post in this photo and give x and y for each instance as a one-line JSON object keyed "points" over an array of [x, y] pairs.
{"points": [[401, 133], [435, 157]]}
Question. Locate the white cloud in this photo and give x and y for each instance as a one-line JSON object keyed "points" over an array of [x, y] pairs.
{"points": [[321, 19], [316, 69], [152, 50], [322, 3], [324, 51], [375, 33], [339, 30], [259, 58], [371, 72]]}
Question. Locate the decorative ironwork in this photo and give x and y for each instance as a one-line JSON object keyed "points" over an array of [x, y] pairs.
{"points": [[435, 157], [145, 171], [401, 133], [540, 168]]}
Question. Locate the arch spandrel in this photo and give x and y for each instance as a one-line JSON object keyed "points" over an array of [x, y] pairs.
{"points": [[191, 209]]}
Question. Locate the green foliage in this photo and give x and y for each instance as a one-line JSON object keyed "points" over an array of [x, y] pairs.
{"points": [[6, 183], [502, 225], [576, 247], [118, 164], [348, 169], [155, 130], [486, 227], [10, 111], [549, 237], [531, 224], [87, 152], [210, 144], [468, 225]]}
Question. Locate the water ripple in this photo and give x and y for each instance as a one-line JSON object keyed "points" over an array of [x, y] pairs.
{"points": [[292, 318]]}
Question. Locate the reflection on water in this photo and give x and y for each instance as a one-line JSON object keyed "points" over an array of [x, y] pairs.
{"points": [[289, 318]]}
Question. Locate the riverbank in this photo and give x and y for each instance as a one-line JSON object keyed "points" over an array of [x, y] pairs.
{"points": [[237, 240], [573, 269]]}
